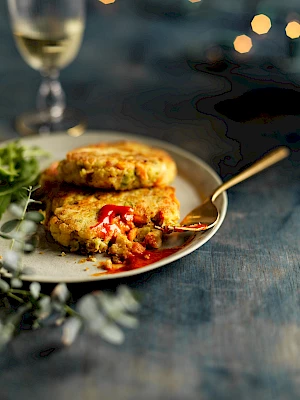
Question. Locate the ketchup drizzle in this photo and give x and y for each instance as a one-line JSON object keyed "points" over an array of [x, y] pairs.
{"points": [[107, 214], [135, 261]]}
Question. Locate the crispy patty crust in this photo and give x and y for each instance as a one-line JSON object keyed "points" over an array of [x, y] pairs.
{"points": [[123, 165], [94, 221]]}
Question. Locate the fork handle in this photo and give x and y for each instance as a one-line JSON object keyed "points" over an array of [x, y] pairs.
{"points": [[269, 159]]}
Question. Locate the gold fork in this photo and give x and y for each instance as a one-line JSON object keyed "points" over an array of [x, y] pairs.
{"points": [[207, 215]]}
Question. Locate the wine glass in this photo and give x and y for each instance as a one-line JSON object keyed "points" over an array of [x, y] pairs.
{"points": [[48, 35]]}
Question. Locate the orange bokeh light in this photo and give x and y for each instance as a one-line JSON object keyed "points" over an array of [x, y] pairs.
{"points": [[292, 30], [242, 44], [194, 1], [261, 24], [107, 1]]}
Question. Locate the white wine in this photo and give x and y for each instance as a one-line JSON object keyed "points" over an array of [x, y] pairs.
{"points": [[53, 49]]}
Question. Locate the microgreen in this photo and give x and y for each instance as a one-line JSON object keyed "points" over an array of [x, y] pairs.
{"points": [[19, 168]]}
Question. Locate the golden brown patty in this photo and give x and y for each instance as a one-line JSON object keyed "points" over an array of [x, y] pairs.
{"points": [[92, 221], [119, 165]]}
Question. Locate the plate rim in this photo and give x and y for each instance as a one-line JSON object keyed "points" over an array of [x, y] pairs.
{"points": [[167, 260]]}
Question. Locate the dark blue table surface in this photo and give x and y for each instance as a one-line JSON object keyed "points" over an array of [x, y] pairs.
{"points": [[224, 321]]}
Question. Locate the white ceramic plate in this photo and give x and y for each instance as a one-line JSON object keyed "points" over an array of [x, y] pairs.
{"points": [[195, 181]]}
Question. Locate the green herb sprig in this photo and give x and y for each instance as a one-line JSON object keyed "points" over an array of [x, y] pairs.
{"points": [[99, 313], [19, 168]]}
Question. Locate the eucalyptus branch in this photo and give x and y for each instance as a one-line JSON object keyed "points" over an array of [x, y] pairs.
{"points": [[99, 313], [27, 201]]}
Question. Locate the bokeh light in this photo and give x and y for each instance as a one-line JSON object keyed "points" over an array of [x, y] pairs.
{"points": [[242, 44], [292, 30], [194, 1], [107, 1], [261, 24]]}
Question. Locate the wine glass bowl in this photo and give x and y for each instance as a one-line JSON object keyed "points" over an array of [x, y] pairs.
{"points": [[48, 35]]}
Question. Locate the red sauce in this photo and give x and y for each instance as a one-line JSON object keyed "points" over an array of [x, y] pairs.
{"points": [[108, 213], [135, 261], [146, 258]]}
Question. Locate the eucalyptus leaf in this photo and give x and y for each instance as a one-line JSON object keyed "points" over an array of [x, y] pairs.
{"points": [[28, 247], [34, 216], [115, 309], [18, 235], [127, 298], [60, 292], [44, 307], [16, 210], [36, 324], [28, 226], [87, 307], [16, 283], [110, 304], [6, 236], [94, 325], [129, 321], [6, 333], [112, 333], [35, 289], [10, 225], [4, 286], [11, 260], [71, 329], [60, 321]]}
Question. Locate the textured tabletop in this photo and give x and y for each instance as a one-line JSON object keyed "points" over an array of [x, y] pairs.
{"points": [[224, 321]]}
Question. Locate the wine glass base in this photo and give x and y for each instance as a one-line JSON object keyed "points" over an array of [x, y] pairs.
{"points": [[72, 121]]}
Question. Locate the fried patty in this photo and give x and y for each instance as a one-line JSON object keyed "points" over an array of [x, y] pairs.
{"points": [[123, 165], [94, 221]]}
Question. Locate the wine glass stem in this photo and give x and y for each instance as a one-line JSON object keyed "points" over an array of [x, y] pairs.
{"points": [[51, 97]]}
